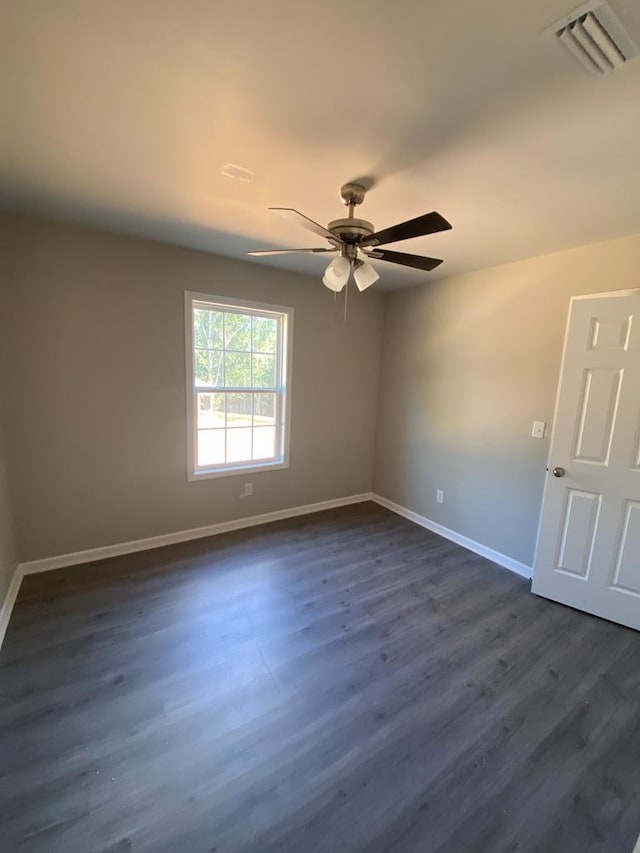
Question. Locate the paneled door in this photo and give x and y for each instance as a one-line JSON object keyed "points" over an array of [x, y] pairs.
{"points": [[588, 553]]}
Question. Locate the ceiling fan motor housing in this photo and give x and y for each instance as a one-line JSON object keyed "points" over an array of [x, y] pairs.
{"points": [[351, 230]]}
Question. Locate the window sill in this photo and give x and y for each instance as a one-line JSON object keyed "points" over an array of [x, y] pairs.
{"points": [[236, 470]]}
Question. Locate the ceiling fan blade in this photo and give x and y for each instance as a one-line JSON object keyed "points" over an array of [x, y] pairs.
{"points": [[262, 252], [304, 221], [430, 223], [415, 261]]}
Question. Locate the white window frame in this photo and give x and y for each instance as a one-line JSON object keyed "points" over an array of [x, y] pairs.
{"points": [[284, 315]]}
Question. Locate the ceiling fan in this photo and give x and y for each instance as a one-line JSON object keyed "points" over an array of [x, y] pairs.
{"points": [[357, 241]]}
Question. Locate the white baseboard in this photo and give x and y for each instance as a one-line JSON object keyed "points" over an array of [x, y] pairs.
{"points": [[91, 555], [9, 601], [105, 552], [465, 542]]}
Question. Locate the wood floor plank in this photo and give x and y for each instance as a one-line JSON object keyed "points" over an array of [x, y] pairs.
{"points": [[345, 681]]}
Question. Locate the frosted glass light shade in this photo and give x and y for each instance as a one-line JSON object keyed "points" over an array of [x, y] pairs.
{"points": [[337, 274], [364, 276]]}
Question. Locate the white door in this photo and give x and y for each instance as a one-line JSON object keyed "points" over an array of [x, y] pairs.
{"points": [[588, 552]]}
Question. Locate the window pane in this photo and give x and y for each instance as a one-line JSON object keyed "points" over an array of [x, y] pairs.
{"points": [[210, 446], [264, 371], [210, 410], [264, 409], [208, 367], [237, 332], [237, 370], [207, 328], [238, 375], [264, 442], [238, 445], [239, 409], [265, 334]]}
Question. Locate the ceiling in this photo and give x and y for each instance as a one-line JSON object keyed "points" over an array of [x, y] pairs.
{"points": [[123, 115]]}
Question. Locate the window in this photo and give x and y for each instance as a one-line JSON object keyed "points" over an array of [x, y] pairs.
{"points": [[238, 367]]}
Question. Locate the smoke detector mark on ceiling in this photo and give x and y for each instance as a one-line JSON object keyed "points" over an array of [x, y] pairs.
{"points": [[238, 173], [594, 35]]}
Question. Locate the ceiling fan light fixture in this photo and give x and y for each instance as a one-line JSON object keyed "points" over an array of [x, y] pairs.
{"points": [[364, 275], [336, 274]]}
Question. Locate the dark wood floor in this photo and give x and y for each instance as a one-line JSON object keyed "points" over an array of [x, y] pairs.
{"points": [[340, 682]]}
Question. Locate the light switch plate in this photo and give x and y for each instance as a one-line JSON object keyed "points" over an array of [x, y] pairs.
{"points": [[539, 429]]}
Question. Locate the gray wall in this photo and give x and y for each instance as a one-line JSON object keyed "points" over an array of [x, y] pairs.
{"points": [[96, 388], [468, 364], [95, 393]]}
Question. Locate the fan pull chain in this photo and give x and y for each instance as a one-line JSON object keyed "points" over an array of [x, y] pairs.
{"points": [[346, 294]]}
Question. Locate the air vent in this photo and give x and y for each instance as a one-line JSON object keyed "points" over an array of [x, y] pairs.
{"points": [[595, 37]]}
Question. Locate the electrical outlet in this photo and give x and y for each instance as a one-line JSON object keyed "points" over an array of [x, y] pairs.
{"points": [[439, 496], [247, 491]]}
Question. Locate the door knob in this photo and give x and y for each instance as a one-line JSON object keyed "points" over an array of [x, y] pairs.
{"points": [[558, 472]]}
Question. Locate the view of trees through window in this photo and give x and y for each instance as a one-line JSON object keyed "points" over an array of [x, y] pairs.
{"points": [[236, 366]]}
